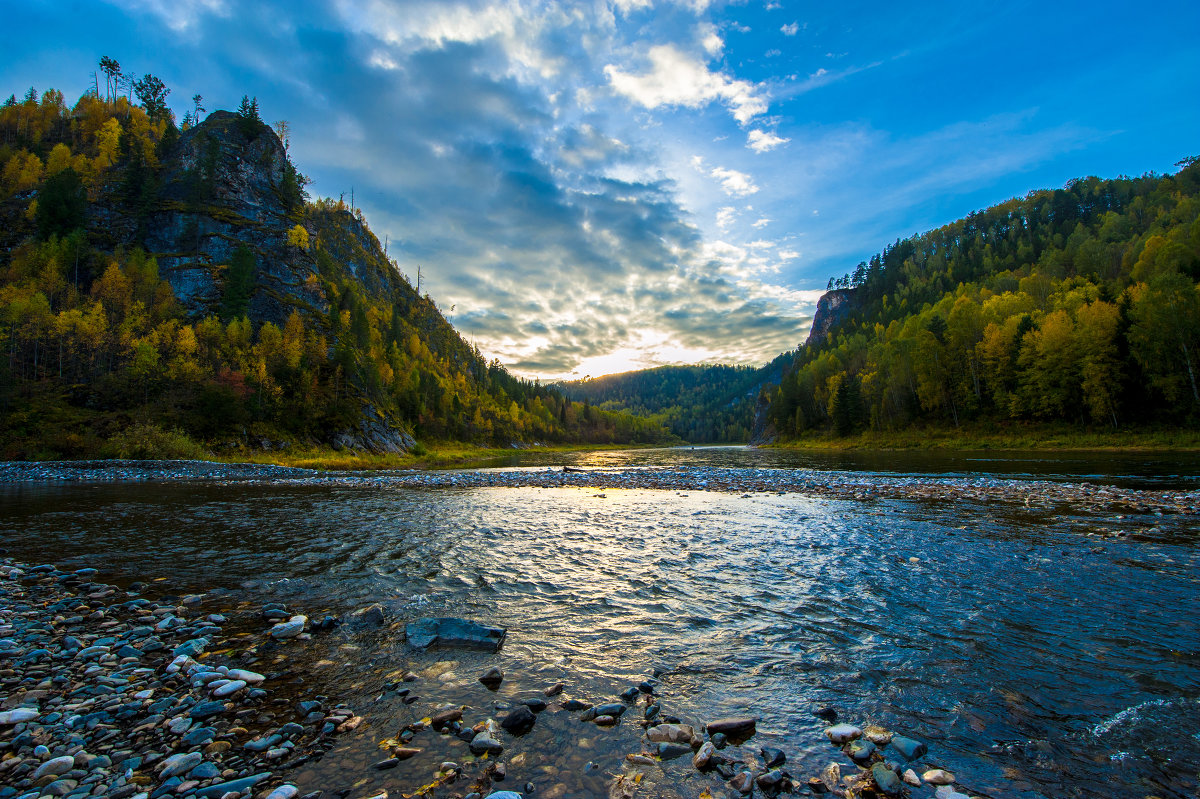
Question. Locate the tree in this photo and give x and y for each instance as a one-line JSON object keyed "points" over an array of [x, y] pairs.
{"points": [[62, 204], [112, 73], [298, 237], [239, 284], [283, 131], [153, 94], [248, 119]]}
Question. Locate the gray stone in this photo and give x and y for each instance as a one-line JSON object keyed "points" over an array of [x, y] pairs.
{"points": [[519, 720], [886, 779], [233, 786], [735, 728], [290, 628], [843, 733], [57, 765], [704, 755], [176, 765], [908, 748], [372, 616], [860, 751], [19, 715], [452, 632], [485, 744]]}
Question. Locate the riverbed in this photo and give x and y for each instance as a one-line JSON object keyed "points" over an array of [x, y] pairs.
{"points": [[1030, 617]]}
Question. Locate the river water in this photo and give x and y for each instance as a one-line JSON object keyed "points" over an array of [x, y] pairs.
{"points": [[1040, 651]]}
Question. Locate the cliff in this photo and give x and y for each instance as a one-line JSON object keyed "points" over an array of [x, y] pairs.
{"points": [[833, 307]]}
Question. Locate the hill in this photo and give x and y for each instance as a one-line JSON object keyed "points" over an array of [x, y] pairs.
{"points": [[168, 289], [1078, 305], [700, 404]]}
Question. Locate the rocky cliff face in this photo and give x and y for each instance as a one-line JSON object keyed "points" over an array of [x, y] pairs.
{"points": [[220, 189], [833, 307]]}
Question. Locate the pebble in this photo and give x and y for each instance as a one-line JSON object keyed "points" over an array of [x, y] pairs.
{"points": [[938, 776]]}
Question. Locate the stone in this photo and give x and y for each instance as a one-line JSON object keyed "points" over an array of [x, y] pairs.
{"points": [[519, 720], [670, 751], [877, 735], [206, 709], [286, 791], [290, 628], [843, 733], [773, 757], [453, 632], [605, 721], [908, 748], [229, 689], [485, 744], [610, 709], [55, 766], [886, 779], [233, 786], [575, 704], [704, 755], [734, 728], [672, 733], [19, 715], [554, 690], [492, 678], [504, 795], [771, 782], [443, 718], [177, 765], [742, 782], [248, 677], [860, 751], [535, 704], [937, 776], [826, 713], [720, 740], [946, 792], [371, 616], [911, 778]]}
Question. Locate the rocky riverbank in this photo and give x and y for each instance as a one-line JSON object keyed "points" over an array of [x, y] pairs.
{"points": [[107, 693], [1043, 494]]}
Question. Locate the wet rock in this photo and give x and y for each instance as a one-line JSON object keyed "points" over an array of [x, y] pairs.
{"points": [[19, 715], [670, 751], [629, 694], [575, 704], [886, 779], [286, 791], [772, 782], [443, 718], [843, 733], [860, 751], [232, 786], [371, 616], [482, 744], [504, 795], [911, 778], [651, 711], [704, 755], [535, 704], [454, 633], [671, 733], [492, 678], [946, 792], [877, 735], [519, 720], [826, 713], [176, 765], [290, 628], [610, 709], [554, 690], [742, 782], [937, 776], [908, 748], [816, 786], [773, 757], [737, 729], [720, 740]]}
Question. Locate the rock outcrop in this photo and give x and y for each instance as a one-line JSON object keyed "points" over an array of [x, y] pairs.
{"points": [[833, 307]]}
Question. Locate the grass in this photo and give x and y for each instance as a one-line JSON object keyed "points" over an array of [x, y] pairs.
{"points": [[1004, 437]]}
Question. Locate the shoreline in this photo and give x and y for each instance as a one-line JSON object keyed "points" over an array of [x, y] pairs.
{"points": [[89, 713], [108, 691], [838, 485]]}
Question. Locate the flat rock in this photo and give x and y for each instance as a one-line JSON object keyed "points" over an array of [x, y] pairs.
{"points": [[672, 733], [453, 632], [19, 715], [735, 728], [937, 776], [843, 733], [58, 765], [908, 748], [519, 720]]}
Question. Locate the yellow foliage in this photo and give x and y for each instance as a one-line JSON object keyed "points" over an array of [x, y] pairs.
{"points": [[31, 211], [298, 237], [108, 141], [58, 160], [22, 172]]}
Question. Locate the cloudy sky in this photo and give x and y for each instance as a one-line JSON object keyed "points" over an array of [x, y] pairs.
{"points": [[590, 187]]}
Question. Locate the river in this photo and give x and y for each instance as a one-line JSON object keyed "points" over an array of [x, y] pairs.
{"points": [[1041, 650]]}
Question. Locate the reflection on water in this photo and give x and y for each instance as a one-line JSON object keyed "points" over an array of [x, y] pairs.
{"points": [[1038, 655]]}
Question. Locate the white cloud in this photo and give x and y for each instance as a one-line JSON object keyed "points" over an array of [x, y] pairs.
{"points": [[179, 15], [726, 216], [678, 79], [734, 183], [791, 29], [761, 223], [760, 141]]}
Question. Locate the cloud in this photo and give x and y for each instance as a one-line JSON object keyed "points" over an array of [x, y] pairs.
{"points": [[674, 78], [734, 183], [791, 29], [761, 141], [726, 217], [178, 15]]}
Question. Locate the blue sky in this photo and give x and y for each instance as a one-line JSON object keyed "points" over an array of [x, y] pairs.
{"points": [[593, 187]]}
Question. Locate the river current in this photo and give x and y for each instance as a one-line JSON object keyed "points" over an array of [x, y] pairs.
{"points": [[1039, 651]]}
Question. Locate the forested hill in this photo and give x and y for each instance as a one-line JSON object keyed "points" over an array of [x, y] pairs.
{"points": [[169, 289], [1077, 305], [700, 404]]}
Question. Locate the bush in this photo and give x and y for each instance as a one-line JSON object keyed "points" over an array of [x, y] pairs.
{"points": [[146, 441]]}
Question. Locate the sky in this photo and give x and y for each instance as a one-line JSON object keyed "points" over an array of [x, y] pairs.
{"points": [[593, 187]]}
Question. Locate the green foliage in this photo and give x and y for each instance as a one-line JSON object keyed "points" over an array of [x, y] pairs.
{"points": [[249, 121], [239, 284], [152, 93], [1077, 305], [62, 204], [148, 441]]}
